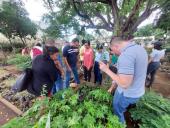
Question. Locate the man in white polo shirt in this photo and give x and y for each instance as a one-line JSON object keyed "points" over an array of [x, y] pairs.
{"points": [[132, 68]]}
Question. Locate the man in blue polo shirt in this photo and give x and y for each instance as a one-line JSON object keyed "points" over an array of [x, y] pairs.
{"points": [[132, 68], [70, 54]]}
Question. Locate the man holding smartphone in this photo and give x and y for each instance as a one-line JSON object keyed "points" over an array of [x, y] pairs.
{"points": [[131, 75]]}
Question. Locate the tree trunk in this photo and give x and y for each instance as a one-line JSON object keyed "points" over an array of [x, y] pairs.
{"points": [[22, 41], [13, 48], [25, 40], [117, 29]]}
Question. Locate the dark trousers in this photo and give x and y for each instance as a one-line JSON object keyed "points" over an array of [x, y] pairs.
{"points": [[152, 68], [87, 74], [97, 74]]}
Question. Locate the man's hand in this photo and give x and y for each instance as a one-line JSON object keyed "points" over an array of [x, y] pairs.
{"points": [[103, 66], [110, 90], [69, 69], [62, 74]]}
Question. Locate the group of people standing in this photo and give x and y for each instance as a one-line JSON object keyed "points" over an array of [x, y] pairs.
{"points": [[64, 62], [130, 59]]}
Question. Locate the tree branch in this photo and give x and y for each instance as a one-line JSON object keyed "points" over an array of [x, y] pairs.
{"points": [[132, 14], [144, 15], [109, 19], [49, 3], [90, 1], [109, 26], [115, 9], [99, 27], [115, 14], [85, 16]]}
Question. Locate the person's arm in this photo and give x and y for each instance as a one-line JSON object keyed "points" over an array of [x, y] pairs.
{"points": [[113, 87], [81, 51], [65, 54], [52, 71], [124, 78], [66, 63], [59, 67]]}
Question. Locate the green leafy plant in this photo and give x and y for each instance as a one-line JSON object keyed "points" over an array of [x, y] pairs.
{"points": [[152, 111], [72, 109], [22, 62]]}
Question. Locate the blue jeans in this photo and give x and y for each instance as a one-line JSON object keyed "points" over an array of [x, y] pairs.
{"points": [[68, 76], [152, 68], [58, 85], [120, 104], [97, 73]]}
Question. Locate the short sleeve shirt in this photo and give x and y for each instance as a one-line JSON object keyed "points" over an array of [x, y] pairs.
{"points": [[98, 56], [133, 61], [157, 55], [71, 54]]}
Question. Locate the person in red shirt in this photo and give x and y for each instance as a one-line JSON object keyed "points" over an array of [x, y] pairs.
{"points": [[88, 60], [36, 50], [25, 51]]}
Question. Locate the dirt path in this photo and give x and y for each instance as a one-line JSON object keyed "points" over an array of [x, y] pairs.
{"points": [[162, 84]]}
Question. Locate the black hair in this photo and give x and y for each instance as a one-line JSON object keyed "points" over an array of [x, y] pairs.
{"points": [[83, 42], [88, 42], [38, 44], [49, 50], [75, 40], [158, 45], [101, 47]]}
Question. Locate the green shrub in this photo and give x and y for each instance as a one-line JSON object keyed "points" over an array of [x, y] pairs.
{"points": [[153, 111], [22, 62], [90, 107]]}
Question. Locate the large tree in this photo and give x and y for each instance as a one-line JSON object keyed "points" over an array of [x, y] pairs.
{"points": [[14, 21], [119, 16], [164, 20]]}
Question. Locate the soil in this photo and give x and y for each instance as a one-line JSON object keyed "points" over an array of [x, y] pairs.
{"points": [[8, 76], [5, 114], [162, 84]]}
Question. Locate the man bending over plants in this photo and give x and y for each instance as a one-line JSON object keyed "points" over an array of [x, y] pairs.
{"points": [[130, 78]]}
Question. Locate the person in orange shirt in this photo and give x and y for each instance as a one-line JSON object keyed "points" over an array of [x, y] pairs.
{"points": [[81, 55], [88, 60]]}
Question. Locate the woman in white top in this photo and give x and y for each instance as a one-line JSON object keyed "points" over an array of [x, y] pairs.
{"points": [[154, 62]]}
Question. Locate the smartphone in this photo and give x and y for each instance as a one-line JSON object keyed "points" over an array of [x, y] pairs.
{"points": [[104, 61]]}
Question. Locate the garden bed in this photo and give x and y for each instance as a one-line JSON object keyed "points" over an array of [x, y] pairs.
{"points": [[8, 111]]}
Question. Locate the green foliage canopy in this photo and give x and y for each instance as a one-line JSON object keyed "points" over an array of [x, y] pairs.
{"points": [[120, 17], [149, 30], [14, 20]]}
